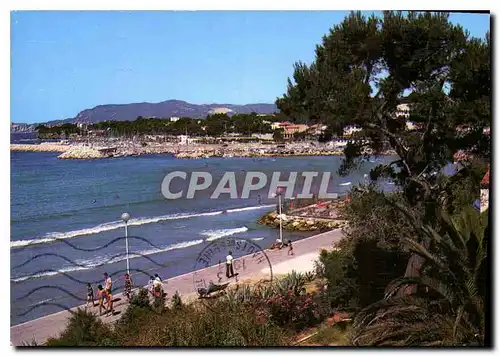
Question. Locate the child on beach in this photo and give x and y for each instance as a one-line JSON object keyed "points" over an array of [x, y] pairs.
{"points": [[128, 286], [290, 248], [90, 294], [105, 295]]}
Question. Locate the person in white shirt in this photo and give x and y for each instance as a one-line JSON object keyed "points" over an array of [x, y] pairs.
{"points": [[151, 285], [229, 265], [108, 284]]}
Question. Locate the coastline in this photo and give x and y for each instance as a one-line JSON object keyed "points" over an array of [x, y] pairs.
{"points": [[113, 149], [42, 328]]}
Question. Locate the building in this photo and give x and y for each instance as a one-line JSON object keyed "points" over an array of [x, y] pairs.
{"points": [[268, 136], [350, 130], [403, 110], [185, 140], [280, 125], [174, 119], [317, 129], [337, 144], [292, 129]]}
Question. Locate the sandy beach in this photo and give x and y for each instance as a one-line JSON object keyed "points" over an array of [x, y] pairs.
{"points": [[306, 252]]}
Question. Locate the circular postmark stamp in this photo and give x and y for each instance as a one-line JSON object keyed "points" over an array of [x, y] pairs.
{"points": [[227, 261]]}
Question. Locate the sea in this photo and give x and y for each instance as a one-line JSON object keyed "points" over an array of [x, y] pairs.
{"points": [[66, 229]]}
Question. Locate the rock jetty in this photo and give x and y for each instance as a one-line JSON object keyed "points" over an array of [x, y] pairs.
{"points": [[81, 152], [44, 147]]}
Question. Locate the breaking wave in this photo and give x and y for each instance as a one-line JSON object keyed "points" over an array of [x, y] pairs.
{"points": [[99, 261], [220, 233], [54, 236]]}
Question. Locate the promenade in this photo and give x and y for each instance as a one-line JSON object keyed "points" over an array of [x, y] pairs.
{"points": [[306, 251]]}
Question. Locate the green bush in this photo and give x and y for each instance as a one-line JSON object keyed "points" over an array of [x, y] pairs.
{"points": [[213, 325], [141, 299], [84, 329], [340, 289], [176, 300]]}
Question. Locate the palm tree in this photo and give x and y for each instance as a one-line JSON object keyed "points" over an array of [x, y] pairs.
{"points": [[447, 307]]}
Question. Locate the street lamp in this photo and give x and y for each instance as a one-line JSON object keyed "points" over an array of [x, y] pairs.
{"points": [[126, 217], [279, 192]]}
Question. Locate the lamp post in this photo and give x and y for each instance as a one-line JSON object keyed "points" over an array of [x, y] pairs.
{"points": [[279, 192], [126, 217]]}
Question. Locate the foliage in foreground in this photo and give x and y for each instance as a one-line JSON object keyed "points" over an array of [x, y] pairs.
{"points": [[249, 316], [447, 307], [84, 329]]}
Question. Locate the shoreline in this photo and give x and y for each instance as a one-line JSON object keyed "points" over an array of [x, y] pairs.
{"points": [[40, 329], [116, 149]]}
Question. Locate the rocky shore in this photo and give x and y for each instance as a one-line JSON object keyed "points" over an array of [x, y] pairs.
{"points": [[322, 216], [81, 152], [192, 151], [121, 148], [299, 223]]}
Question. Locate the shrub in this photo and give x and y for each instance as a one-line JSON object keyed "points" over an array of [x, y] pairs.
{"points": [[176, 300], [293, 281], [293, 311], [208, 326], [84, 329], [141, 299]]}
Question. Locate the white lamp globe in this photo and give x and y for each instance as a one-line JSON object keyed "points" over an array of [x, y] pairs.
{"points": [[125, 217]]}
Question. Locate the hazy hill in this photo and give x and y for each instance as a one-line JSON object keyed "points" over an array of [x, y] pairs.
{"points": [[165, 109]]}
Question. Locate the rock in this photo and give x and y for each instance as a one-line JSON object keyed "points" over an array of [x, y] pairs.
{"points": [[81, 152]]}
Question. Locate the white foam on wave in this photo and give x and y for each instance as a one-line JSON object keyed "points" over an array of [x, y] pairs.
{"points": [[108, 259], [257, 239], [220, 233], [42, 302], [54, 236], [346, 183], [250, 208]]}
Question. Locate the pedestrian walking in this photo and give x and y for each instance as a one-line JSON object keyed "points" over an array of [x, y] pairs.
{"points": [[108, 283], [229, 265], [128, 286], [290, 248], [90, 294], [105, 295]]}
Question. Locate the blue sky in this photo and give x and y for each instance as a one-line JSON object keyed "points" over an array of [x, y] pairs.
{"points": [[65, 62]]}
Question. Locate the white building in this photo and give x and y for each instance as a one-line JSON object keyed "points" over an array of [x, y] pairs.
{"points": [[174, 119], [185, 140], [339, 143], [349, 130], [268, 136], [403, 110]]}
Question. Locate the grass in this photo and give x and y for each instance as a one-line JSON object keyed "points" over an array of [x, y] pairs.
{"points": [[329, 335]]}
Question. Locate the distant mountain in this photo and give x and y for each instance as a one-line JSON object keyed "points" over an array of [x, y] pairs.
{"points": [[165, 109]]}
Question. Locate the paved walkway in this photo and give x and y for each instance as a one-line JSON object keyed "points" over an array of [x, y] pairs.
{"points": [[51, 325]]}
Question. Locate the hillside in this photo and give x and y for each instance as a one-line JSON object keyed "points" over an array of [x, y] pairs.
{"points": [[169, 108]]}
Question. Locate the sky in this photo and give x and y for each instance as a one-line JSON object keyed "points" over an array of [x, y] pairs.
{"points": [[64, 62]]}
